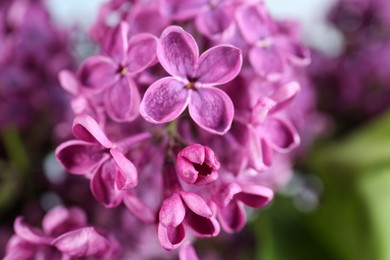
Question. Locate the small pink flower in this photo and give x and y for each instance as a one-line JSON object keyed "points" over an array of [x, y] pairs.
{"points": [[192, 82], [189, 208], [197, 164]]}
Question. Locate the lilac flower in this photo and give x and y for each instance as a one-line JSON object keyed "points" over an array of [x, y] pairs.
{"points": [[95, 154], [230, 200], [192, 82], [213, 18], [270, 49], [188, 208], [65, 234], [264, 131], [197, 164], [113, 72]]}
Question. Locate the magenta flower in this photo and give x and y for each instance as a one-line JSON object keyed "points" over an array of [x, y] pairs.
{"points": [[212, 17], [113, 72], [95, 154], [197, 164], [192, 82], [231, 199], [65, 235], [271, 50], [189, 208]]}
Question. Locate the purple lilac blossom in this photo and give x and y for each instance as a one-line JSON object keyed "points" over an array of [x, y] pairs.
{"points": [[216, 135]]}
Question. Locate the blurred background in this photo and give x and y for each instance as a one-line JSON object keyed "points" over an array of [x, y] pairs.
{"points": [[337, 203]]}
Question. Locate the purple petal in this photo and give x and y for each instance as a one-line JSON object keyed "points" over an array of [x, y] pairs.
{"points": [[18, 248], [98, 73], [171, 237], [254, 22], [267, 62], [214, 22], [183, 10], [226, 193], [82, 242], [69, 82], [172, 211], [103, 185], [261, 110], [177, 52], [164, 101], [203, 227], [232, 217], [60, 220], [87, 129], [212, 110], [285, 94], [139, 209], [126, 174], [196, 204], [122, 100], [260, 154], [117, 42], [141, 52], [187, 252], [219, 65], [281, 134], [79, 157], [146, 18], [255, 196], [30, 234]]}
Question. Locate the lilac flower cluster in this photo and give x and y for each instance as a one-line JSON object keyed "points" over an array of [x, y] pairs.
{"points": [[354, 86], [188, 114]]}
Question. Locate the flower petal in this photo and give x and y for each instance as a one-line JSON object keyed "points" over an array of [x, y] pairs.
{"points": [[82, 242], [219, 65], [285, 94], [196, 204], [255, 196], [87, 129], [177, 52], [126, 175], [215, 21], [141, 52], [254, 22], [267, 62], [203, 227], [281, 135], [97, 73], [232, 217], [172, 211], [30, 234], [187, 252], [103, 185], [60, 220], [164, 101], [69, 82], [122, 100], [260, 154], [171, 237], [117, 42], [18, 248], [183, 10], [79, 157], [211, 109]]}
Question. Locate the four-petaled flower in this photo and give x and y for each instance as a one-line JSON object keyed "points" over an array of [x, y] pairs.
{"points": [[192, 82]]}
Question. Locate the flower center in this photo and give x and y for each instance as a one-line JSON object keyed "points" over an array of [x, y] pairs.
{"points": [[191, 85], [123, 71], [203, 168]]}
